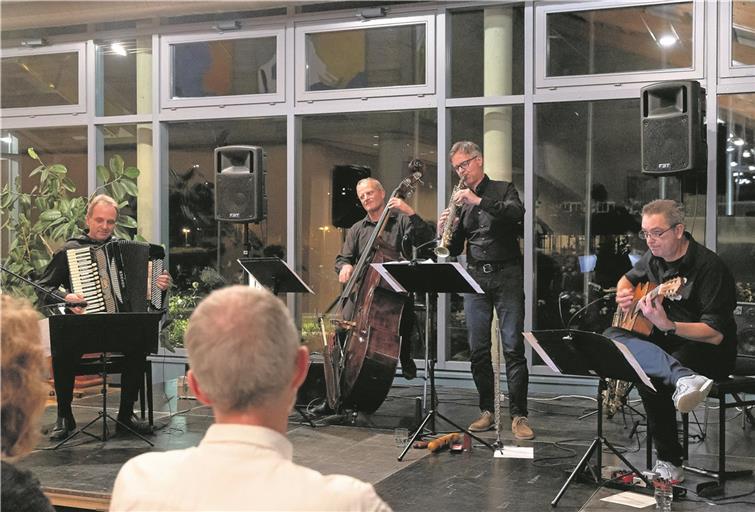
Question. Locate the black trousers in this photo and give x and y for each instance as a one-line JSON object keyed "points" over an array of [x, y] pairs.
{"points": [[64, 369]]}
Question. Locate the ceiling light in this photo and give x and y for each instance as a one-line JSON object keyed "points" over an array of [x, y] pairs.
{"points": [[118, 49], [738, 142], [667, 40]]}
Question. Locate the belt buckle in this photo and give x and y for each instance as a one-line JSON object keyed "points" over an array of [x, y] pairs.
{"points": [[487, 268]]}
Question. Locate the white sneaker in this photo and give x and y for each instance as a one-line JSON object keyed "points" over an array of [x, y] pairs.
{"points": [[690, 392], [667, 471]]}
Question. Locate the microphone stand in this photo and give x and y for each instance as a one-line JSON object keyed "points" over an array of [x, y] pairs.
{"points": [[47, 292]]}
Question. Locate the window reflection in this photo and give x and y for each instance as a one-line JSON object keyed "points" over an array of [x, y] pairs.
{"points": [[743, 34], [201, 248], [588, 199], [381, 144], [40, 80], [736, 190], [374, 57], [224, 68], [469, 46], [643, 38], [126, 67]]}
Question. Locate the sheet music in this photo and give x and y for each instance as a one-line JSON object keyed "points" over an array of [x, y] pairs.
{"points": [[634, 364], [542, 353], [380, 269]]}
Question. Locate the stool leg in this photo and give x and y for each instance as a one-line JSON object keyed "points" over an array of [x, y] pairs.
{"points": [[721, 437], [685, 433]]}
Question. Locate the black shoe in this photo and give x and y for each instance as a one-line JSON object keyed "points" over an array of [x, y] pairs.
{"points": [[408, 369], [141, 427], [64, 427]]}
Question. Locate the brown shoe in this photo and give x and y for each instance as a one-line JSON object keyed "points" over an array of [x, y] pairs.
{"points": [[520, 427], [483, 423]]}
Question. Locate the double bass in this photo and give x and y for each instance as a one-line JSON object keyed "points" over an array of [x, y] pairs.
{"points": [[361, 356]]}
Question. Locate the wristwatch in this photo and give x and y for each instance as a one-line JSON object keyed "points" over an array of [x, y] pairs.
{"points": [[671, 331]]}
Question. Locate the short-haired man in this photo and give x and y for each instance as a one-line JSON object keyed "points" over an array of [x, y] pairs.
{"points": [[101, 218], [692, 336], [247, 364], [490, 213], [403, 229]]}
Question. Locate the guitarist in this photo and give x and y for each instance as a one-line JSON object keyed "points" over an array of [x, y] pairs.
{"points": [[693, 338]]}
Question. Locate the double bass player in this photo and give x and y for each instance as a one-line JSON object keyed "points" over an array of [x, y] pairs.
{"points": [[403, 229]]}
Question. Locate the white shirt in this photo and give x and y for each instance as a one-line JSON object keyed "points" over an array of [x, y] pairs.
{"points": [[236, 467]]}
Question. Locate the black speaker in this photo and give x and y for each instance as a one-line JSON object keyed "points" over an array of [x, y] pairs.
{"points": [[672, 138], [744, 314], [345, 206], [240, 184]]}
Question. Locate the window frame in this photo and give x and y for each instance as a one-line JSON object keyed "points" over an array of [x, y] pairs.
{"points": [[302, 30], [604, 80], [167, 102], [75, 109]]}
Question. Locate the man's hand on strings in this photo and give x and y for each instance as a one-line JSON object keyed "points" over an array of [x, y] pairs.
{"points": [[653, 310], [400, 205], [345, 274], [624, 298]]}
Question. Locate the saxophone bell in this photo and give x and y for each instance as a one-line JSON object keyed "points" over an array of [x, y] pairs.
{"points": [[441, 251]]}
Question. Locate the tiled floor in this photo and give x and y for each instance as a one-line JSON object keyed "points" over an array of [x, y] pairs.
{"points": [[366, 449]]}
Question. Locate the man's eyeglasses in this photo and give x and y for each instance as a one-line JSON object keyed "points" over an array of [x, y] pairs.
{"points": [[464, 164], [656, 234]]}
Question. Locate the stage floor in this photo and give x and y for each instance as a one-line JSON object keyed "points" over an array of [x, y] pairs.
{"points": [[81, 473]]}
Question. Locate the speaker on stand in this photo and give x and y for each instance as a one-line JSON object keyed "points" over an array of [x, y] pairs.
{"points": [[744, 315], [240, 187]]}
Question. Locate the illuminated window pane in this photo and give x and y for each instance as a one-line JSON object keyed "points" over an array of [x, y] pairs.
{"points": [[40, 80]]}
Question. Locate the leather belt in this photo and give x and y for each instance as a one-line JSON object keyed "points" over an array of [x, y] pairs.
{"points": [[487, 268]]}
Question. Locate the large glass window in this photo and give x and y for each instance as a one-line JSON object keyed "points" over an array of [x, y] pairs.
{"points": [[618, 40], [487, 51], [200, 247], [499, 133], [124, 77], [378, 144], [736, 190], [589, 194], [41, 80]]}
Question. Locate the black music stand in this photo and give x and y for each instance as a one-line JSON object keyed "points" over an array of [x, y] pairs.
{"points": [[572, 352], [427, 278], [275, 275], [104, 332]]}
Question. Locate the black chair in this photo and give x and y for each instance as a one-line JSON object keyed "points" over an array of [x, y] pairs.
{"points": [[91, 364], [740, 383]]}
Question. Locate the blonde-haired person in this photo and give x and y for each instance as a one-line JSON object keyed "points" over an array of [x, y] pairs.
{"points": [[247, 364], [24, 392]]}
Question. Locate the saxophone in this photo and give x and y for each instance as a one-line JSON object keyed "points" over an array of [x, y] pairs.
{"points": [[441, 249]]}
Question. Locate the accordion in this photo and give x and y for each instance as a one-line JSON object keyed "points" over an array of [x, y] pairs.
{"points": [[119, 276]]}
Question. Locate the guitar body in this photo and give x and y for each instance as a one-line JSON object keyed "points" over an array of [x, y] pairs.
{"points": [[633, 320]]}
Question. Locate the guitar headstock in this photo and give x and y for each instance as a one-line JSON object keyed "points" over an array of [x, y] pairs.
{"points": [[670, 289]]}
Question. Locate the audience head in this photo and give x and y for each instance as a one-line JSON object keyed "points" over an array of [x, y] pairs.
{"points": [[24, 390], [243, 349]]}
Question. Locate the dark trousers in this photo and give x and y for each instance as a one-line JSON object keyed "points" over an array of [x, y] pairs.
{"points": [[665, 369], [503, 291], [64, 368]]}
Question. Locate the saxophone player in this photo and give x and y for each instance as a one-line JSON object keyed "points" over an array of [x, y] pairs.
{"points": [[489, 215]]}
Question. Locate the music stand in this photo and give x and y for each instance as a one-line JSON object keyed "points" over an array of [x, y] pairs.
{"points": [[572, 352], [104, 332], [427, 278], [275, 275]]}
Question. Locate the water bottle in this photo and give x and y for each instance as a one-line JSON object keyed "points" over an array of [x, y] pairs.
{"points": [[664, 494]]}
